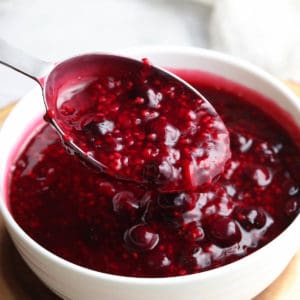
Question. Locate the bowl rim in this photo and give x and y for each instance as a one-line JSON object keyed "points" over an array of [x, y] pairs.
{"points": [[228, 268]]}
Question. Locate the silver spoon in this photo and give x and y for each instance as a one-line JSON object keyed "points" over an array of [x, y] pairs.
{"points": [[60, 82]]}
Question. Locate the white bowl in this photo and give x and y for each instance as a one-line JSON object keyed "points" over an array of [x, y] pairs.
{"points": [[240, 280]]}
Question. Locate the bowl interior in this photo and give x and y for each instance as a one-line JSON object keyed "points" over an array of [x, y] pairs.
{"points": [[31, 108]]}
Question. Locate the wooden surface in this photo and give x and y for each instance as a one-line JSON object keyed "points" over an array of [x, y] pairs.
{"points": [[17, 282]]}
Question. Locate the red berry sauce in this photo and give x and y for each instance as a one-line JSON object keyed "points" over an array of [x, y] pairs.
{"points": [[144, 126], [123, 228]]}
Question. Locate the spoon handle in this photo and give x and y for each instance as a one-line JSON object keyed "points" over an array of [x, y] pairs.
{"points": [[22, 62]]}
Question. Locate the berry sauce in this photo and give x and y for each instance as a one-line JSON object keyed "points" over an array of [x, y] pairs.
{"points": [[144, 126], [123, 228]]}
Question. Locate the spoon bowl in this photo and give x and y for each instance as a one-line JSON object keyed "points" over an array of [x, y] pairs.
{"points": [[130, 119]]}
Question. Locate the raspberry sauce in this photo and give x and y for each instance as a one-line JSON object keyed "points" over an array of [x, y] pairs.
{"points": [[123, 228], [136, 122]]}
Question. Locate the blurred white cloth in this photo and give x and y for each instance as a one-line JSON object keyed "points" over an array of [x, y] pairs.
{"points": [[265, 32]]}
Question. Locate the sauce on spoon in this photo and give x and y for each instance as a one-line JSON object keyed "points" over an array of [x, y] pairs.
{"points": [[131, 120], [138, 123]]}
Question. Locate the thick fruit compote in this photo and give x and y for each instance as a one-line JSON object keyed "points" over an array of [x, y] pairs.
{"points": [[122, 228], [145, 126]]}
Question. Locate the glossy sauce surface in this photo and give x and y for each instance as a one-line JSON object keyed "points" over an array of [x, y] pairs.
{"points": [[137, 123], [122, 228]]}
